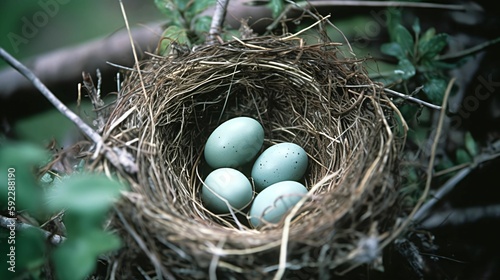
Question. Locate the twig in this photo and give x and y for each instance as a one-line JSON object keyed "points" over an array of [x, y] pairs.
{"points": [[307, 5], [413, 99], [457, 217], [133, 45], [86, 129], [118, 158], [430, 167], [443, 190], [95, 97], [217, 20], [469, 51], [305, 29], [332, 3], [121, 67], [7, 223], [450, 184], [282, 15]]}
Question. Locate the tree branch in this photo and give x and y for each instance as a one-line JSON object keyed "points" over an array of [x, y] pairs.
{"points": [[400, 4], [461, 216], [7, 223], [119, 158], [217, 20], [85, 128]]}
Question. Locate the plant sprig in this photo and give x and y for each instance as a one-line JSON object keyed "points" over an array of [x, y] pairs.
{"points": [[186, 23], [418, 54], [82, 199]]}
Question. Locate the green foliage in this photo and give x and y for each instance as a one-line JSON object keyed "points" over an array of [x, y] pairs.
{"points": [[83, 198], [186, 25], [277, 7], [84, 195], [418, 56], [31, 251], [76, 258], [24, 158], [175, 34], [419, 65]]}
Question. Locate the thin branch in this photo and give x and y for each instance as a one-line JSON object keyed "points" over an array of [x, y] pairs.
{"points": [[305, 29], [443, 190], [217, 20], [413, 99], [7, 223], [399, 4], [85, 128], [131, 39], [469, 51], [119, 158], [456, 217], [430, 167], [95, 98], [451, 183]]}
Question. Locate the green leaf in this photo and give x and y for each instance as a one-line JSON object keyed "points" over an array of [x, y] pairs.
{"points": [[165, 6], [173, 34], [416, 27], [404, 39], [181, 4], [445, 163], [429, 49], [470, 144], [199, 6], [78, 224], [434, 66], [448, 66], [392, 49], [393, 20], [434, 89], [168, 6], [76, 258], [406, 69], [84, 194], [277, 7], [462, 156], [202, 25], [170, 10], [21, 159], [29, 251], [429, 33]]}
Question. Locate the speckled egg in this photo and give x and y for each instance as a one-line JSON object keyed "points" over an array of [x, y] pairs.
{"points": [[234, 143], [225, 187], [274, 202], [280, 162]]}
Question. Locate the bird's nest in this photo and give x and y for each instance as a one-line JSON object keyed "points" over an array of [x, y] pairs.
{"points": [[309, 94]]}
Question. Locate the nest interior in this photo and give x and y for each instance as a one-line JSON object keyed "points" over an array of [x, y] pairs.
{"points": [[309, 94]]}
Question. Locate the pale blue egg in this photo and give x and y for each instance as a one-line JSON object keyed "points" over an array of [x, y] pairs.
{"points": [[234, 143], [271, 204], [280, 162], [225, 187]]}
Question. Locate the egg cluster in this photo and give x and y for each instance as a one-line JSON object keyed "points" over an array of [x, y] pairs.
{"points": [[275, 172]]}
